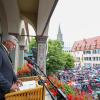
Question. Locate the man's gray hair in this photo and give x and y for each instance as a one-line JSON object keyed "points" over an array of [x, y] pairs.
{"points": [[9, 37]]}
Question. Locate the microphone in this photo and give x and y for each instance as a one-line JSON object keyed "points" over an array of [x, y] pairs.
{"points": [[31, 64], [29, 60]]}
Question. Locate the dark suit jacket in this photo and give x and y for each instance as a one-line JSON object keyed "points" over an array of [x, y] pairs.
{"points": [[7, 75]]}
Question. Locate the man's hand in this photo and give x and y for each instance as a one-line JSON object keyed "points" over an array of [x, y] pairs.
{"points": [[14, 87], [19, 82]]}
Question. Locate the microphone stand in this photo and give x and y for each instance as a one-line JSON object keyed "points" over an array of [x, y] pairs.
{"points": [[61, 95], [53, 98]]}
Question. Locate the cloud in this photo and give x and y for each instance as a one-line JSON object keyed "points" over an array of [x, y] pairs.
{"points": [[78, 19]]}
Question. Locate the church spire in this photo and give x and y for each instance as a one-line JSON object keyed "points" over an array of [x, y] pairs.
{"points": [[59, 35]]}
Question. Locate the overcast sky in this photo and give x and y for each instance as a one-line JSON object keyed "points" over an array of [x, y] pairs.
{"points": [[78, 19]]}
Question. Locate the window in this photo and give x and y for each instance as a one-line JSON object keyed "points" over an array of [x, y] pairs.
{"points": [[87, 52], [93, 51], [98, 51], [83, 52], [89, 58], [96, 58], [93, 58]]}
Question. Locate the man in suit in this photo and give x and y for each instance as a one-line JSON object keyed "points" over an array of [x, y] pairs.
{"points": [[8, 79]]}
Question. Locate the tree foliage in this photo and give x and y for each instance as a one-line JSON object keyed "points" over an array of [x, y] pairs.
{"points": [[57, 59], [32, 43], [69, 61], [33, 48], [54, 59]]}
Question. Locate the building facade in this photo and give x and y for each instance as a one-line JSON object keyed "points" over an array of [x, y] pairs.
{"points": [[87, 52], [67, 49], [15, 15]]}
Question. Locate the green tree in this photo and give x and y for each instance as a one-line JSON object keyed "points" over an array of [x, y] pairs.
{"points": [[54, 56], [33, 48], [32, 43], [69, 59]]}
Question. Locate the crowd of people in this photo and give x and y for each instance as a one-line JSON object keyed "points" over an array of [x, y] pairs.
{"points": [[86, 79]]}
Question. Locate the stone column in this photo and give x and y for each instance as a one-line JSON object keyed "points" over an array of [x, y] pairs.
{"points": [[41, 55], [16, 58], [21, 55]]}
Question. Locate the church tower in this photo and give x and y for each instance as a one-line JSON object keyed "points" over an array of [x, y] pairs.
{"points": [[59, 35]]}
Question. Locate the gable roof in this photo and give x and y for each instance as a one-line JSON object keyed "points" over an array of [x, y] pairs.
{"points": [[87, 44]]}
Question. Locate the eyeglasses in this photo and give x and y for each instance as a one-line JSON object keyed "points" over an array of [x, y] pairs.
{"points": [[11, 43]]}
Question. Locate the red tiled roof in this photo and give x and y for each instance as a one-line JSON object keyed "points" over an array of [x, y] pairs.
{"points": [[87, 44]]}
